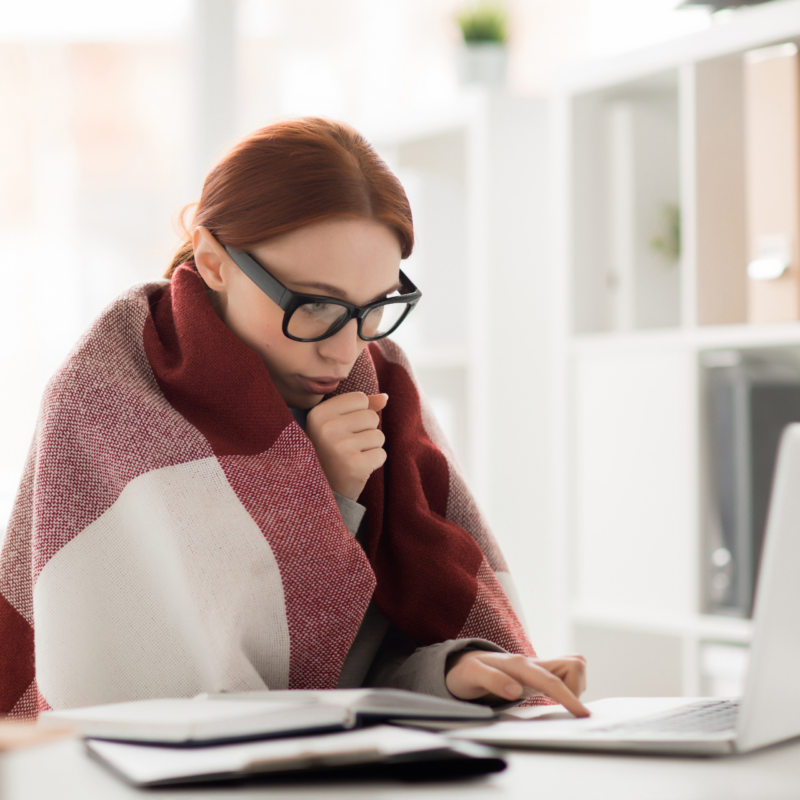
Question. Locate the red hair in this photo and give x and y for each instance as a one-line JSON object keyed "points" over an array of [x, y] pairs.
{"points": [[294, 173]]}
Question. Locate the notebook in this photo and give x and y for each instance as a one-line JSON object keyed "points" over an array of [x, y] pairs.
{"points": [[381, 751], [256, 715]]}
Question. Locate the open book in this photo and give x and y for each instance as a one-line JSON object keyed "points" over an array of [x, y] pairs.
{"points": [[222, 718]]}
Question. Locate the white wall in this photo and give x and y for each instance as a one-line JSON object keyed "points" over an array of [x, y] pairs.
{"points": [[98, 151]]}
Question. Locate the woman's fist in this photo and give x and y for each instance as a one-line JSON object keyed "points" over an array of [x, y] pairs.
{"points": [[344, 432]]}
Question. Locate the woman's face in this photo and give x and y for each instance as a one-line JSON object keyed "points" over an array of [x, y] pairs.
{"points": [[357, 260]]}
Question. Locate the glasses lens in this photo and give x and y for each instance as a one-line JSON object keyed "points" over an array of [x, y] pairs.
{"points": [[382, 320], [313, 320]]}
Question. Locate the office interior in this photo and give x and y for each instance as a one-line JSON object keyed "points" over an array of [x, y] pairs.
{"points": [[610, 333]]}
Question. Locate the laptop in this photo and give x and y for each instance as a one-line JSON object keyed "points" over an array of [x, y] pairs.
{"points": [[769, 710]]}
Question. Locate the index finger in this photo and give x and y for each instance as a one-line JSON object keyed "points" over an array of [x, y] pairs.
{"points": [[556, 689], [342, 404], [539, 679]]}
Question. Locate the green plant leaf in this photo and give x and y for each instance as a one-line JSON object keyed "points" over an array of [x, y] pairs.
{"points": [[487, 21], [668, 244]]}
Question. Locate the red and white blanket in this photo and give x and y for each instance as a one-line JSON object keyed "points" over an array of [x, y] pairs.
{"points": [[174, 531]]}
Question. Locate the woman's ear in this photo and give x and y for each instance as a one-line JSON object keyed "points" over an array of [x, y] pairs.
{"points": [[210, 259]]}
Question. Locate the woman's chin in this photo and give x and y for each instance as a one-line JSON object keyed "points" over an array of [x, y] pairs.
{"points": [[300, 399]]}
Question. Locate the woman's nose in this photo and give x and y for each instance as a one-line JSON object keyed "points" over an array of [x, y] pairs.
{"points": [[344, 346]]}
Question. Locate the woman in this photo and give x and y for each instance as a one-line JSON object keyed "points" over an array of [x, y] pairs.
{"points": [[235, 483]]}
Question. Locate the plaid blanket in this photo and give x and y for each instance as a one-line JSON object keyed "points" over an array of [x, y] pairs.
{"points": [[174, 531]]}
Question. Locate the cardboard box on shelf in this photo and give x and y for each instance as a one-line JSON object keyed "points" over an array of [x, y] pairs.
{"points": [[772, 155]]}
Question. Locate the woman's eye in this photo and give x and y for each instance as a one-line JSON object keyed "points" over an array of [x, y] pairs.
{"points": [[321, 311], [315, 309]]}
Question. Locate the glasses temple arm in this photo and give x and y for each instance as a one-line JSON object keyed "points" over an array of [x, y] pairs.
{"points": [[268, 284]]}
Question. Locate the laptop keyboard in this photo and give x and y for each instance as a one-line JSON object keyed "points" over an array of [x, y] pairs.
{"points": [[714, 716]]}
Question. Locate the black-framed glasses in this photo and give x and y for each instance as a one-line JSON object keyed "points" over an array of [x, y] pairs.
{"points": [[311, 317]]}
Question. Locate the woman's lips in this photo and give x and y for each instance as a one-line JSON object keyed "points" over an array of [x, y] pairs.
{"points": [[320, 385]]}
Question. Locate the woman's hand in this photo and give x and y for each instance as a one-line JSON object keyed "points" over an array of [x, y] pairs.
{"points": [[496, 677], [344, 432]]}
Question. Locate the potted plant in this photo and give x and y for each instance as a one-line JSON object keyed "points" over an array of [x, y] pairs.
{"points": [[484, 28]]}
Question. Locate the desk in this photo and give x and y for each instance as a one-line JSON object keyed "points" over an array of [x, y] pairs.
{"points": [[61, 771]]}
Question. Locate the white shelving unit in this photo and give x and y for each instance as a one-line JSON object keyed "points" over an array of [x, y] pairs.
{"points": [[462, 166], [481, 341], [638, 134]]}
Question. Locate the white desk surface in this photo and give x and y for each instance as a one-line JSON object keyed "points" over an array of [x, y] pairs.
{"points": [[61, 771]]}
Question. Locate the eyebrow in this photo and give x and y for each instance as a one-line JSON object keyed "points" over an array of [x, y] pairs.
{"points": [[333, 291]]}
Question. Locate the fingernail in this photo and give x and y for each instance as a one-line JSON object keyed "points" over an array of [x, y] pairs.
{"points": [[512, 690]]}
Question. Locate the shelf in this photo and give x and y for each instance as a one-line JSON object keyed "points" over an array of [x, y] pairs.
{"points": [[729, 629], [699, 626], [746, 336], [747, 29], [699, 338], [605, 342]]}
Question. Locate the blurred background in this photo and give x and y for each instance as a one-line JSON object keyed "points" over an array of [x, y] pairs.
{"points": [[111, 115]]}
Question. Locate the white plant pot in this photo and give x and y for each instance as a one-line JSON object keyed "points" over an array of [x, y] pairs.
{"points": [[483, 62]]}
